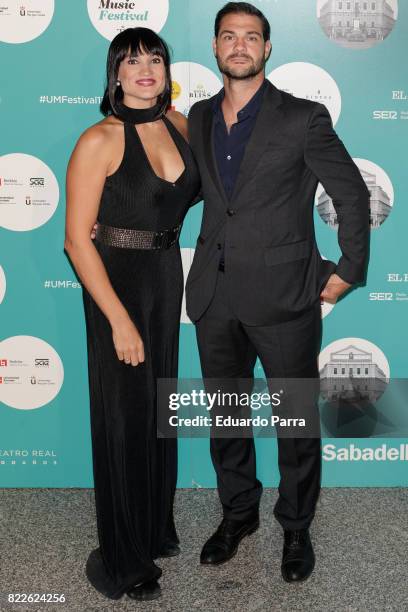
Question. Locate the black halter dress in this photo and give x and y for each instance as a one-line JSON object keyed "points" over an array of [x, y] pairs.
{"points": [[134, 471]]}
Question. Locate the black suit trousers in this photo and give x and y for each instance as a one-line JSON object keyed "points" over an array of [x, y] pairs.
{"points": [[228, 349]]}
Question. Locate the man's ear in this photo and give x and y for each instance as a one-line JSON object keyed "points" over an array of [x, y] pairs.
{"points": [[268, 49], [214, 46]]}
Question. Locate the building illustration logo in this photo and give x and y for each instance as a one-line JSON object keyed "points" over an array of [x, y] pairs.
{"points": [[353, 372], [357, 25], [381, 196]]}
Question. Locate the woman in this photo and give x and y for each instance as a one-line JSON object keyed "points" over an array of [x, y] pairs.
{"points": [[134, 174]]}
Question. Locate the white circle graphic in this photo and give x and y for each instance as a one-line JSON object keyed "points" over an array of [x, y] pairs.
{"points": [[3, 284], [191, 83], [110, 17], [24, 20], [29, 192], [187, 259], [31, 372], [381, 196], [356, 353], [311, 82], [355, 24]]}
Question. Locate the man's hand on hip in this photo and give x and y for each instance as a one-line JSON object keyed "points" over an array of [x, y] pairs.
{"points": [[334, 288]]}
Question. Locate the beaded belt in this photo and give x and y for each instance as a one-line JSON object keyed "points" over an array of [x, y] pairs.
{"points": [[136, 239]]}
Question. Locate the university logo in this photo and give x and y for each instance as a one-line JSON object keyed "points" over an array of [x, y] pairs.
{"points": [[24, 22], [17, 389], [30, 197]]}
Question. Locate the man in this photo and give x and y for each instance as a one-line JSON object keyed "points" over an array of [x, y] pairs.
{"points": [[257, 278]]}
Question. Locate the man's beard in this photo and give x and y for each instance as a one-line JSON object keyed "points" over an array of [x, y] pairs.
{"points": [[251, 71]]}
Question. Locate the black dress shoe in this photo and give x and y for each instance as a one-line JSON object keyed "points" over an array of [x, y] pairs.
{"points": [[298, 558], [169, 549], [223, 544], [145, 591]]}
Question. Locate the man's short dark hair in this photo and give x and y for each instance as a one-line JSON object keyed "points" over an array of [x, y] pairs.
{"points": [[248, 9]]}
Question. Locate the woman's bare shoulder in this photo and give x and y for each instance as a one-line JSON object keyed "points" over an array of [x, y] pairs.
{"points": [[101, 133], [179, 121], [98, 139]]}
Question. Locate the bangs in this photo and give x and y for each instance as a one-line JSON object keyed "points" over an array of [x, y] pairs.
{"points": [[139, 41], [131, 43]]}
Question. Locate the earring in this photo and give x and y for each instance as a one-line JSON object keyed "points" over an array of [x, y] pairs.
{"points": [[117, 83]]}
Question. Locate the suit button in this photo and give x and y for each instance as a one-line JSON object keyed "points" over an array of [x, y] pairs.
{"points": [[230, 212], [219, 246]]}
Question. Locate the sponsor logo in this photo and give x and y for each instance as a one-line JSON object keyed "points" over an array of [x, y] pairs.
{"points": [[29, 381], [175, 90], [3, 363], [353, 25], [32, 184], [20, 23], [381, 296], [192, 82], [381, 192], [37, 181], [23, 456], [200, 93], [42, 362], [10, 380], [309, 81], [354, 453]]}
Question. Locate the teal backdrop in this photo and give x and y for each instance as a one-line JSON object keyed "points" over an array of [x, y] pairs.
{"points": [[49, 95]]}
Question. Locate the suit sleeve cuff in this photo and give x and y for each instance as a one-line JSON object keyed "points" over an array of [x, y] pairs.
{"points": [[349, 272]]}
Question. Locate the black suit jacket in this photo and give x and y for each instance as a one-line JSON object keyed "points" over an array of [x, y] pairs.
{"points": [[273, 267]]}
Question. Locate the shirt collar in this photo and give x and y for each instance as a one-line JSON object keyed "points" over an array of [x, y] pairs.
{"points": [[249, 110]]}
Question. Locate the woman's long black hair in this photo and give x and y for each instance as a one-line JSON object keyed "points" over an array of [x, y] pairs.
{"points": [[133, 41]]}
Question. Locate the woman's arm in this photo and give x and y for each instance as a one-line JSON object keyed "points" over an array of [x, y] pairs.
{"points": [[87, 171]]}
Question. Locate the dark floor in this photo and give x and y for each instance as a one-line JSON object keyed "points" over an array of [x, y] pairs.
{"points": [[360, 538]]}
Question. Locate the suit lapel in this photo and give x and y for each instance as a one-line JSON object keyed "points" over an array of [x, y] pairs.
{"points": [[209, 154], [268, 116]]}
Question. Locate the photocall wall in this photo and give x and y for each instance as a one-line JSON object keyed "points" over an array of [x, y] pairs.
{"points": [[348, 55]]}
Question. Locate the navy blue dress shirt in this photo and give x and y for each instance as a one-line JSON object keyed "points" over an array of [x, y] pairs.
{"points": [[229, 148]]}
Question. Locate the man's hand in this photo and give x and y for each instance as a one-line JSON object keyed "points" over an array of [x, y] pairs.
{"points": [[93, 231], [334, 288]]}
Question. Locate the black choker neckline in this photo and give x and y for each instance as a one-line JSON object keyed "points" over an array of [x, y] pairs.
{"points": [[139, 115]]}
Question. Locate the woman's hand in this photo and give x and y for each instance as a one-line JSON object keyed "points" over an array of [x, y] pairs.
{"points": [[128, 342]]}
